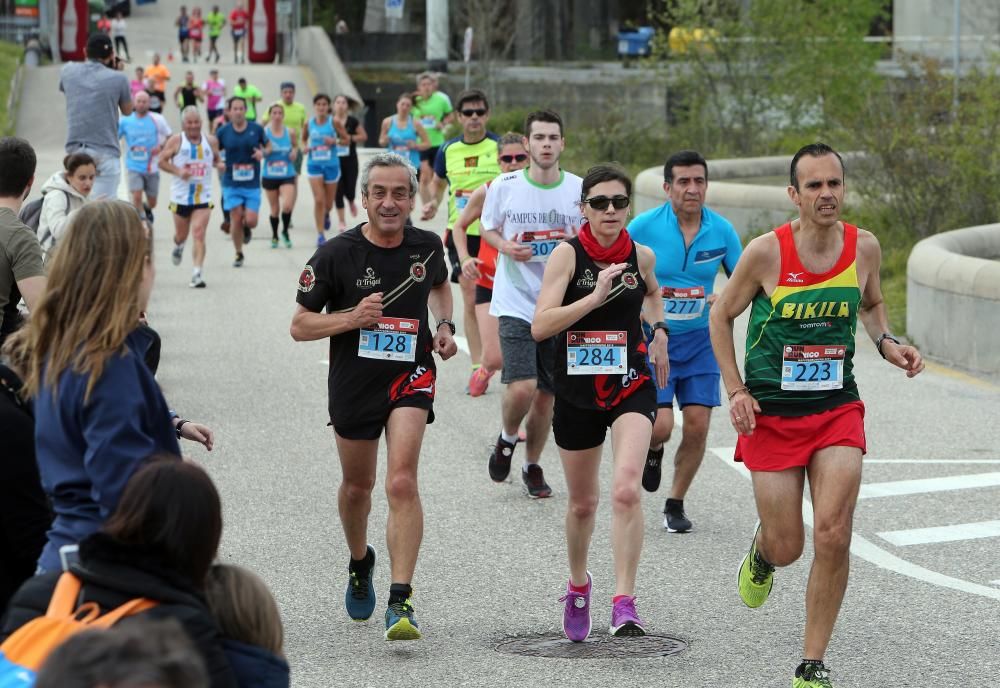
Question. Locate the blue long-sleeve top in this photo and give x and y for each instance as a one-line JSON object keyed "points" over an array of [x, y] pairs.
{"points": [[87, 451]]}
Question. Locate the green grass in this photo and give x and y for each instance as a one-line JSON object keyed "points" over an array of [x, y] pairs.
{"points": [[9, 55]]}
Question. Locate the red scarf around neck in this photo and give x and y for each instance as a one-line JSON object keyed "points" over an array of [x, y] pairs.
{"points": [[618, 252]]}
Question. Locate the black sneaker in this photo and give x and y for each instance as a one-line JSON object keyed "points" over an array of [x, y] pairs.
{"points": [[238, 263], [359, 598], [674, 519], [500, 460], [652, 471], [247, 235], [534, 482]]}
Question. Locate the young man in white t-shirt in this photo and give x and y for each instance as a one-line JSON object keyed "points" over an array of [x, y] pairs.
{"points": [[525, 215]]}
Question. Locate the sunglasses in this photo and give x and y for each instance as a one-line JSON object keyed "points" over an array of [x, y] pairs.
{"points": [[477, 111], [602, 202], [520, 157]]}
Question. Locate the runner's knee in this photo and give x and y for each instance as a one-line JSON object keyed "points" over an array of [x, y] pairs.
{"points": [[583, 507], [625, 495], [401, 487], [357, 489], [784, 548], [832, 538]]}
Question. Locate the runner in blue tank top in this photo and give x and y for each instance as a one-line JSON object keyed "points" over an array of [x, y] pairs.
{"points": [[278, 175], [404, 135], [321, 136], [690, 242]]}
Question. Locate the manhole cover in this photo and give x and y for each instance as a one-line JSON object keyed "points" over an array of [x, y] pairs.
{"points": [[597, 647]]}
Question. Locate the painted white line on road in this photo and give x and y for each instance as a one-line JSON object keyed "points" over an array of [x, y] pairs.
{"points": [[908, 487], [996, 582], [869, 551], [925, 536], [931, 462]]}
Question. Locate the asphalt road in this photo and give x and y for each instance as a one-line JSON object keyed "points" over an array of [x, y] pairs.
{"points": [[492, 566]]}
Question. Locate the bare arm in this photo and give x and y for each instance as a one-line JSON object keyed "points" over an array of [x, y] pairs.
{"points": [[652, 307], [437, 195], [360, 135], [31, 289], [170, 149], [747, 280], [872, 312], [519, 252], [308, 326], [470, 213], [551, 317], [213, 143], [440, 303], [425, 142], [383, 137]]}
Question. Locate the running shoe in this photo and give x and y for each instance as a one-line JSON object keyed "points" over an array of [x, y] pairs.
{"points": [[326, 222], [285, 238], [400, 623], [756, 576], [500, 457], [479, 381], [224, 227], [247, 235], [534, 482], [674, 519], [197, 282], [812, 675], [652, 471], [359, 597], [576, 614], [625, 621], [238, 263], [274, 242], [320, 240], [177, 254]]}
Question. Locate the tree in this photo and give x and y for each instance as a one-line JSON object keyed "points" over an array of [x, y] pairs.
{"points": [[751, 73]]}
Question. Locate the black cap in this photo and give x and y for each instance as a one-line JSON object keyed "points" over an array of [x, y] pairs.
{"points": [[99, 46]]}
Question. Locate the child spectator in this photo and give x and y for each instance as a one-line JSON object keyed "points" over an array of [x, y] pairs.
{"points": [[251, 625]]}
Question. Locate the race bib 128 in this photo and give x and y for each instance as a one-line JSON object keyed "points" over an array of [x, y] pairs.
{"points": [[391, 339]]}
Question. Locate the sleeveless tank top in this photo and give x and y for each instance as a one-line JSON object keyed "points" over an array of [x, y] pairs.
{"points": [[800, 339], [321, 154], [198, 159], [399, 137], [278, 165], [601, 358]]}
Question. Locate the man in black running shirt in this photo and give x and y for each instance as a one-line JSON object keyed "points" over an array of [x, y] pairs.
{"points": [[376, 282]]}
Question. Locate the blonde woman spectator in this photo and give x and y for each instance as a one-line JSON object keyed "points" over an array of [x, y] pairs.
{"points": [[248, 617]]}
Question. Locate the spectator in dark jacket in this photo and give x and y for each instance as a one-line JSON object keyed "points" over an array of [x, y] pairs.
{"points": [[251, 624], [159, 544], [98, 410]]}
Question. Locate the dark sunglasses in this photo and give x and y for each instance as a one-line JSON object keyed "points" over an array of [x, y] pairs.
{"points": [[476, 111], [520, 157], [602, 202]]}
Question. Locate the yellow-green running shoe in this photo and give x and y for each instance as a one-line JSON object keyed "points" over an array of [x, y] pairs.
{"points": [[810, 675], [756, 577], [400, 623]]}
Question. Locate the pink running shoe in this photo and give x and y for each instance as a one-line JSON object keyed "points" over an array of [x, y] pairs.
{"points": [[479, 381], [576, 616], [625, 622]]}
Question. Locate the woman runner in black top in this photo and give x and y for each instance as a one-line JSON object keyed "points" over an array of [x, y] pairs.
{"points": [[348, 157], [595, 287]]}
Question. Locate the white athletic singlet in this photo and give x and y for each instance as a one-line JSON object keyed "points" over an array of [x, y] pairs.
{"points": [[198, 159]]}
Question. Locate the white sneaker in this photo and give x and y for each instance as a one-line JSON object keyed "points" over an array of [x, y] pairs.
{"points": [[177, 254], [197, 282]]}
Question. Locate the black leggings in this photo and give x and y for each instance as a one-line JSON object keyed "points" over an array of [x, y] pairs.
{"points": [[348, 179], [121, 46]]}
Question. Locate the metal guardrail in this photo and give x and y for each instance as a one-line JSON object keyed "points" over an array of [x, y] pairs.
{"points": [[18, 29]]}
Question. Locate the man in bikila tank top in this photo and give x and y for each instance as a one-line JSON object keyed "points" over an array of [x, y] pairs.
{"points": [[798, 412]]}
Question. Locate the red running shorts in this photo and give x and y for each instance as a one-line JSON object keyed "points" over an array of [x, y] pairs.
{"points": [[782, 442]]}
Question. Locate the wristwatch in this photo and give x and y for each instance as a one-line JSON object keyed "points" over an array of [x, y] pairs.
{"points": [[177, 428], [662, 325], [449, 323], [881, 338]]}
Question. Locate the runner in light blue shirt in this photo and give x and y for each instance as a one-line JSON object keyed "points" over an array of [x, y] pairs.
{"points": [[690, 242], [142, 146]]}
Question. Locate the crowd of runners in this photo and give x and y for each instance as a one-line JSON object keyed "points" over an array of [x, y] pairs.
{"points": [[594, 318]]}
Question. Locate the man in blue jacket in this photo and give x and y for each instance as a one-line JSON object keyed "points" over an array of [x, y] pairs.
{"points": [[690, 242]]}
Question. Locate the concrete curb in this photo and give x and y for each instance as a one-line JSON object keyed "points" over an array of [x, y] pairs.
{"points": [[953, 297], [13, 98], [318, 54]]}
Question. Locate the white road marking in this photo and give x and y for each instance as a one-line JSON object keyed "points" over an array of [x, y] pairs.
{"points": [[996, 582], [959, 531], [869, 551], [931, 462], [923, 485]]}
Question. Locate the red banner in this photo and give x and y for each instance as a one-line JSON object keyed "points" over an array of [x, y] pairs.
{"points": [[262, 40], [74, 21]]}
